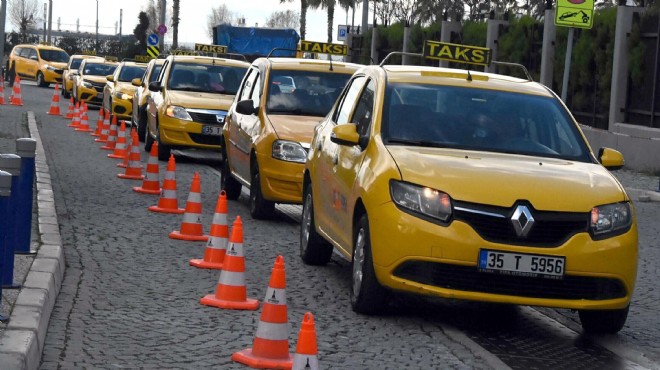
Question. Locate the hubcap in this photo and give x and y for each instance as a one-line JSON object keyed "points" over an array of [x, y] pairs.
{"points": [[358, 262]]}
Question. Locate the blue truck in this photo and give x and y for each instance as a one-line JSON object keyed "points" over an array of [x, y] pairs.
{"points": [[255, 42]]}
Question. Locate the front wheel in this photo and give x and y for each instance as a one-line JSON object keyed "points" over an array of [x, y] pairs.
{"points": [[40, 80], [314, 250], [259, 207], [11, 76], [603, 321], [367, 295], [227, 183], [164, 150], [141, 126]]}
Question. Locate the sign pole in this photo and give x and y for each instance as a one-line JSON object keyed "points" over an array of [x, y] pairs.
{"points": [[567, 63]]}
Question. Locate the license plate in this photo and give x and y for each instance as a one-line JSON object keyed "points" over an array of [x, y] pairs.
{"points": [[211, 130], [521, 264]]}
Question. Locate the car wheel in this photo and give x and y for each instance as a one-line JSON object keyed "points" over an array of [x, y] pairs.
{"points": [[367, 295], [603, 321], [40, 80], [148, 141], [314, 250], [227, 183], [259, 207], [11, 76], [164, 150], [65, 94], [142, 127]]}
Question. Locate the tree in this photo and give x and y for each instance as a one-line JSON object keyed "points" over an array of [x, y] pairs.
{"points": [[219, 15], [329, 5], [303, 15], [283, 19], [153, 13], [175, 24], [140, 31], [21, 14]]}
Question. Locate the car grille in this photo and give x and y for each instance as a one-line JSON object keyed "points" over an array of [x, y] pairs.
{"points": [[550, 229], [205, 139], [469, 279], [207, 118]]}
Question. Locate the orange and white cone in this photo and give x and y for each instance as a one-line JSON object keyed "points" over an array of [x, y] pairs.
{"points": [[134, 168], [151, 184], [120, 148], [99, 124], [2, 90], [69, 112], [77, 113], [270, 348], [306, 356], [111, 143], [231, 292], [84, 124], [168, 203], [16, 98], [191, 227], [105, 129], [216, 247], [55, 102]]}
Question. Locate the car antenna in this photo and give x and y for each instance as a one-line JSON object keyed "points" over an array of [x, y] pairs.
{"points": [[469, 76], [330, 62]]}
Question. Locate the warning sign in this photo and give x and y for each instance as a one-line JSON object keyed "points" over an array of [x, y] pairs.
{"points": [[205, 48], [153, 51], [457, 53], [323, 48], [575, 13]]}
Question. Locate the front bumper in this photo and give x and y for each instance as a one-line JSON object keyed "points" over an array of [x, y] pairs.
{"points": [[426, 258], [180, 133], [51, 76], [90, 95], [122, 108], [282, 180]]}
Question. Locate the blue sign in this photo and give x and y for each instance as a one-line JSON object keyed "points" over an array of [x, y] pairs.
{"points": [[342, 32], [152, 39]]}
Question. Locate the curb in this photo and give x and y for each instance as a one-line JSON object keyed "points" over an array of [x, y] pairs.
{"points": [[22, 342]]}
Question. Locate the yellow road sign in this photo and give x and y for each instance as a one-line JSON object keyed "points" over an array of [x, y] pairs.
{"points": [[323, 48], [206, 48], [457, 53], [153, 51], [575, 13]]}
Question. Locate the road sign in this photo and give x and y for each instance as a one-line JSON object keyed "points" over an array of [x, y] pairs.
{"points": [[323, 48], [575, 13], [343, 31], [152, 39], [206, 48], [153, 51], [162, 29]]}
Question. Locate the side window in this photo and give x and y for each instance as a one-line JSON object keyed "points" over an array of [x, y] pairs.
{"points": [[17, 51], [32, 54], [348, 100], [256, 91], [364, 110], [25, 52], [248, 82], [162, 72]]}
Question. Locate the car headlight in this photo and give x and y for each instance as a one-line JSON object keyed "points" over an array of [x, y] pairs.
{"points": [[50, 68], [289, 151], [178, 113], [87, 84], [610, 219], [421, 200], [121, 95]]}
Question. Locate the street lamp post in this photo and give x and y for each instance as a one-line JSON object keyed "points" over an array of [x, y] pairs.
{"points": [[97, 25]]}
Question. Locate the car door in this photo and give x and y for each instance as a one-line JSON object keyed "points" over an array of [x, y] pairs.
{"points": [[157, 99], [242, 127]]}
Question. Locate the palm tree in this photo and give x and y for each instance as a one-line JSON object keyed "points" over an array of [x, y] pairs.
{"points": [[303, 15], [330, 6], [175, 25]]}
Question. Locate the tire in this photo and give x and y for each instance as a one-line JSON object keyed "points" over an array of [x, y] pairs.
{"points": [[11, 75], [148, 141], [603, 321], [229, 184], [260, 208], [314, 250], [367, 295], [142, 127], [40, 80], [65, 94], [164, 150]]}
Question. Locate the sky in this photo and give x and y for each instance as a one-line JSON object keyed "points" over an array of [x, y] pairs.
{"points": [[193, 23]]}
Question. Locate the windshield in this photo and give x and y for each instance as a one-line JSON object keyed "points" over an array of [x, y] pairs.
{"points": [[58, 56], [128, 73], [309, 93], [212, 78], [75, 63], [155, 71], [476, 119], [98, 69]]}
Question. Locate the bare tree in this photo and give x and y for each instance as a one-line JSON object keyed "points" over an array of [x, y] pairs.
{"points": [[405, 10], [303, 15], [23, 14], [219, 15], [153, 13], [175, 24], [283, 19]]}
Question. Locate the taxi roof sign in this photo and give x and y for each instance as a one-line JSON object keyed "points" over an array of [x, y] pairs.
{"points": [[209, 48], [183, 52], [142, 58], [323, 48], [575, 13], [457, 53]]}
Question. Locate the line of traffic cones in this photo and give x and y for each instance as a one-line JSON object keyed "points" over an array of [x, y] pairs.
{"points": [[168, 202], [191, 227], [134, 167], [120, 147], [151, 182], [105, 130], [111, 141], [216, 247]]}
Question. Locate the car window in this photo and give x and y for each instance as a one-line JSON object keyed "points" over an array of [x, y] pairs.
{"points": [[98, 69], [25, 52], [128, 73], [348, 100], [211, 78], [32, 54], [310, 93], [256, 92], [75, 63], [57, 56], [17, 51], [364, 110], [155, 72], [478, 119], [246, 89]]}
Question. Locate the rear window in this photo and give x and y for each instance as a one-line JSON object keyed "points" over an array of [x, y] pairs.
{"points": [[212, 78], [308, 93], [128, 73], [57, 56]]}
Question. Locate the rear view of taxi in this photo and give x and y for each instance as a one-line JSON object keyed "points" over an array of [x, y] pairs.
{"points": [[471, 186], [189, 102]]}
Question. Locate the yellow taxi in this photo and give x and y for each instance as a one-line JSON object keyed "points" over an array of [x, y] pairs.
{"points": [[189, 101], [141, 96], [119, 89], [67, 75], [270, 125], [468, 185], [42, 63], [90, 78]]}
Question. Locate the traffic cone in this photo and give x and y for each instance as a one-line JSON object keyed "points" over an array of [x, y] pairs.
{"points": [[16, 92], [134, 168], [69, 111], [120, 148], [111, 143], [2, 90], [99, 124], [55, 102], [75, 120], [231, 292], [191, 227], [168, 203], [151, 184], [105, 129], [306, 356], [217, 244], [270, 348], [84, 124]]}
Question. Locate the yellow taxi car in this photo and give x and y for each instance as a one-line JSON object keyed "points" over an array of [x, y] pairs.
{"points": [[270, 125], [42, 63], [90, 78], [118, 90], [67, 74], [189, 102], [468, 185], [141, 96]]}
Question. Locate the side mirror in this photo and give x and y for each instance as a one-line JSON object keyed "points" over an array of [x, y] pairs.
{"points": [[137, 82], [345, 134], [246, 107], [610, 159], [154, 86], [110, 78]]}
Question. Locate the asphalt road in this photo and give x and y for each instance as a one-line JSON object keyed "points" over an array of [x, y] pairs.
{"points": [[129, 298]]}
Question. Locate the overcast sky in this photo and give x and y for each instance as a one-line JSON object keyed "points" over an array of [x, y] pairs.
{"points": [[192, 26]]}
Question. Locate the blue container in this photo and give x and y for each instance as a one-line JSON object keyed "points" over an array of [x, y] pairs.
{"points": [[23, 194], [5, 193], [10, 163]]}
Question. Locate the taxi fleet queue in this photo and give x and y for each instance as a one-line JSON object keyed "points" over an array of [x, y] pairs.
{"points": [[389, 163]]}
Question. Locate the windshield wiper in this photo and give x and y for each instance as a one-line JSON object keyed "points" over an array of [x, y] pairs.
{"points": [[428, 143]]}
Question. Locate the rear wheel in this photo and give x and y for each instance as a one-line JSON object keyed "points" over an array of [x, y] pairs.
{"points": [[164, 150], [141, 126], [367, 295], [314, 250], [148, 141], [259, 207], [227, 183], [603, 321]]}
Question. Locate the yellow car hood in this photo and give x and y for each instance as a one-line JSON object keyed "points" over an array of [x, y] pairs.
{"points": [[57, 65], [295, 128], [192, 99], [502, 179], [125, 87]]}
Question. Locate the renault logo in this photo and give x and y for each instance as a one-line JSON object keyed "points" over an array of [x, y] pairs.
{"points": [[522, 221]]}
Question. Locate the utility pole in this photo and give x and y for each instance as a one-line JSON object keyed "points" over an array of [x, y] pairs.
{"points": [[50, 20], [365, 16], [161, 39], [3, 15], [45, 19], [97, 25]]}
